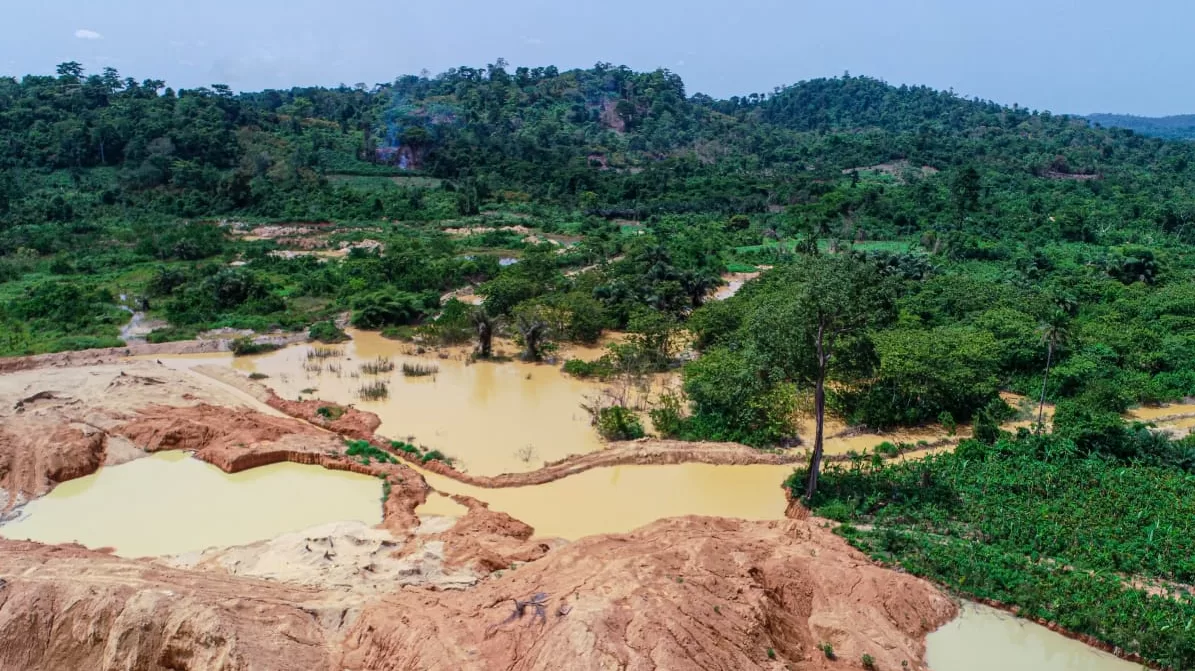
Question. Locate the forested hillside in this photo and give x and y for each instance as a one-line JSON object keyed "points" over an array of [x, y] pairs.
{"points": [[985, 223], [1178, 127]]}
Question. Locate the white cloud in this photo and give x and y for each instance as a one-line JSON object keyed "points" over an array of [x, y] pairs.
{"points": [[532, 40], [85, 34]]}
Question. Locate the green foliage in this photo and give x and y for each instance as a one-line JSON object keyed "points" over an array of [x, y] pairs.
{"points": [[406, 447], [391, 308], [435, 455], [827, 650], [868, 662], [246, 345], [363, 448], [330, 412], [924, 373], [667, 416], [599, 368], [730, 401], [170, 334], [326, 332], [619, 423], [1034, 522]]}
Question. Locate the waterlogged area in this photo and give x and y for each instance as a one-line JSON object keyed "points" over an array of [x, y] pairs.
{"points": [[492, 417], [624, 498], [171, 503], [986, 639]]}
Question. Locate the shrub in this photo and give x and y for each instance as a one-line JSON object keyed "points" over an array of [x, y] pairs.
{"points": [[326, 332], [405, 447], [666, 417], [258, 376], [246, 346], [363, 448], [827, 650], [619, 423], [436, 455], [869, 662], [330, 412]]}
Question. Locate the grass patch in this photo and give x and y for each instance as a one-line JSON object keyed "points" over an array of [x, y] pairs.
{"points": [[374, 391], [378, 366], [170, 334], [419, 369]]}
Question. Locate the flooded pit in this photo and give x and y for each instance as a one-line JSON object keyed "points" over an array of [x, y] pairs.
{"points": [[986, 639], [619, 499], [170, 503], [492, 417]]}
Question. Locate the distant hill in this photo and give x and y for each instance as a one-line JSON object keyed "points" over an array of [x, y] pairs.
{"points": [[1178, 127]]}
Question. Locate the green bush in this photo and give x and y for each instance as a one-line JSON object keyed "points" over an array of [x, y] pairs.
{"points": [[246, 346], [436, 455], [330, 412], [619, 423], [326, 332], [667, 417], [363, 448]]}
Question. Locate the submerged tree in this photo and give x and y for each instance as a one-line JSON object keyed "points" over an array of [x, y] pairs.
{"points": [[485, 325], [536, 323]]}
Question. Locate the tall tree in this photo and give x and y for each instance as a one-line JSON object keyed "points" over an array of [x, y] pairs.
{"points": [[807, 322], [1054, 332]]}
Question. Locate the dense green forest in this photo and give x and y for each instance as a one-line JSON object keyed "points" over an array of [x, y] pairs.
{"points": [[923, 252], [1177, 127]]}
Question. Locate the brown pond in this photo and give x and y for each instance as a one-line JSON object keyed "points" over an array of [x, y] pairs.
{"points": [[986, 639]]}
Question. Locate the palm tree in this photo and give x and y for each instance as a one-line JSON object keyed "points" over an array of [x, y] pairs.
{"points": [[485, 324], [1054, 332]]}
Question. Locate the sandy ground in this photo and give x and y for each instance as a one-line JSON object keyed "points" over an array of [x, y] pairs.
{"points": [[418, 591]]}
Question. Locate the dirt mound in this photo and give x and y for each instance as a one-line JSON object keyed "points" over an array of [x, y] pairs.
{"points": [[35, 455], [688, 593], [349, 421], [63, 607]]}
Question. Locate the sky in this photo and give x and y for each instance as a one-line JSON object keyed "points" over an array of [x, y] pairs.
{"points": [[1067, 56]]}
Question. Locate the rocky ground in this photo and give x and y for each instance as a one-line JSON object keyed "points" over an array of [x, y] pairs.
{"points": [[475, 592]]}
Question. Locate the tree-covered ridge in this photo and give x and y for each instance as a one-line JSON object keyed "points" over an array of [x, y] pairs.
{"points": [[1177, 127], [985, 223]]}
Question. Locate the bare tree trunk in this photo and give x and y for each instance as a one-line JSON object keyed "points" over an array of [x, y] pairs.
{"points": [[485, 340], [819, 410], [1041, 406]]}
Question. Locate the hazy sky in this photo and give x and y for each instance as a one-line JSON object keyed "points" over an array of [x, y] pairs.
{"points": [[1062, 55]]}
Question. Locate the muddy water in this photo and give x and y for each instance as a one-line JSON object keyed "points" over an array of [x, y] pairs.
{"points": [[170, 503], [491, 417], [985, 639], [623, 498]]}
